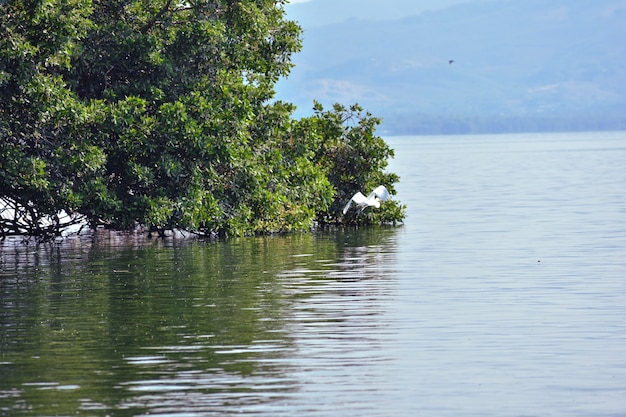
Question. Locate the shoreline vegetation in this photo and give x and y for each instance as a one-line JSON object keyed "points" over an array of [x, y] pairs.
{"points": [[141, 235], [161, 117]]}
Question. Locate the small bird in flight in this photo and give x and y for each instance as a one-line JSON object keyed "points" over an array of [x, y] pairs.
{"points": [[451, 61]]}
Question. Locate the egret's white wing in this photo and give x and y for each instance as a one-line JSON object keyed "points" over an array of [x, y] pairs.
{"points": [[380, 192], [358, 198]]}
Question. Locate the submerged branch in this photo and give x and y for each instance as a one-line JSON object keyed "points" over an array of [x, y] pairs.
{"points": [[19, 220]]}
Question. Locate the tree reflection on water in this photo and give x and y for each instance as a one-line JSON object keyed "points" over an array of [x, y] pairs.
{"points": [[123, 325]]}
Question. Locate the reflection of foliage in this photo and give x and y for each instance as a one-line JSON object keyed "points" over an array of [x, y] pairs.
{"points": [[159, 113], [84, 317], [85, 312]]}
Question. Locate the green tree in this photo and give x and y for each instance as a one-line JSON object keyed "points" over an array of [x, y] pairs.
{"points": [[159, 113], [354, 159]]}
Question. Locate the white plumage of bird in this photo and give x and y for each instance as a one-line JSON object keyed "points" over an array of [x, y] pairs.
{"points": [[374, 199]]}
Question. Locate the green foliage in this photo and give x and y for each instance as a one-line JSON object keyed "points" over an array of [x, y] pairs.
{"points": [[159, 113], [354, 159]]}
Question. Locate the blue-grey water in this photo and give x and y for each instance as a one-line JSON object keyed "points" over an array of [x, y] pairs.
{"points": [[503, 294]]}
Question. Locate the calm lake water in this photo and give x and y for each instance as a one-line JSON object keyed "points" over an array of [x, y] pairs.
{"points": [[503, 294]]}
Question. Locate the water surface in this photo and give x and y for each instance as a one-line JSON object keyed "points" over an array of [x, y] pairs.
{"points": [[503, 294]]}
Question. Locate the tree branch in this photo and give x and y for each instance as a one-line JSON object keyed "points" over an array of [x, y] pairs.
{"points": [[145, 28]]}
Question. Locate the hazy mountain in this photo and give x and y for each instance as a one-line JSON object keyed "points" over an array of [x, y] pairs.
{"points": [[518, 65], [314, 13]]}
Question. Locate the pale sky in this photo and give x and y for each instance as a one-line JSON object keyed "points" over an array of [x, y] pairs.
{"points": [[312, 13]]}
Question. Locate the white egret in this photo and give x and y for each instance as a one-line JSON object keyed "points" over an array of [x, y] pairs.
{"points": [[374, 199]]}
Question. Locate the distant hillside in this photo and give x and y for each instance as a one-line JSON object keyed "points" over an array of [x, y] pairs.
{"points": [[518, 66]]}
